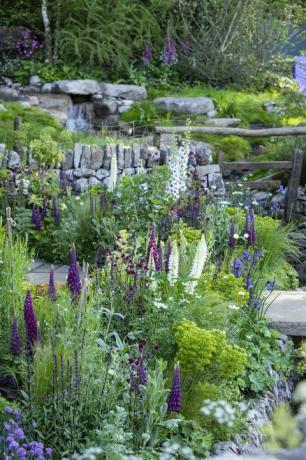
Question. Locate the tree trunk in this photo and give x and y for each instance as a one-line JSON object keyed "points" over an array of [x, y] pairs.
{"points": [[46, 22]]}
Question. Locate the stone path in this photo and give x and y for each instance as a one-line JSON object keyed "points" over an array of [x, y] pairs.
{"points": [[39, 272], [287, 313]]}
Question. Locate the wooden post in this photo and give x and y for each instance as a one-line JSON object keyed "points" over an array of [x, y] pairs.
{"points": [[221, 161], [17, 123], [156, 140], [294, 182]]}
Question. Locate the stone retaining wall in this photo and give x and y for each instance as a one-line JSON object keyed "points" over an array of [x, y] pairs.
{"points": [[87, 165]]}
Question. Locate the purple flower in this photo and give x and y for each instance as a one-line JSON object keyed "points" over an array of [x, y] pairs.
{"points": [[152, 248], [160, 258], [270, 285], [51, 288], [256, 304], [30, 320], [252, 231], [169, 52], [74, 279], [48, 451], [168, 254], [8, 410], [15, 341], [175, 396], [55, 212], [147, 55], [232, 241], [237, 267], [142, 374], [36, 218]]}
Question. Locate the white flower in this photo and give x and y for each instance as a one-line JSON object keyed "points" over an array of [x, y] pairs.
{"points": [[232, 306], [198, 263], [63, 206], [236, 236], [246, 235], [173, 263], [178, 165], [113, 172]]}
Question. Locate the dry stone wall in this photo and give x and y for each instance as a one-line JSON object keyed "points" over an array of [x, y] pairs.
{"points": [[87, 165]]}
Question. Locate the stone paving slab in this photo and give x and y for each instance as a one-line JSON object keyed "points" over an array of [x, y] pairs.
{"points": [[287, 313], [39, 272]]}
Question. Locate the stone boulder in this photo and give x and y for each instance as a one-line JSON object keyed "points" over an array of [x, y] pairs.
{"points": [[56, 105], [193, 105], [104, 107], [76, 87], [130, 92], [13, 162], [203, 152], [9, 94]]}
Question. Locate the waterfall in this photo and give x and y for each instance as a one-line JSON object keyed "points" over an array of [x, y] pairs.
{"points": [[78, 118]]}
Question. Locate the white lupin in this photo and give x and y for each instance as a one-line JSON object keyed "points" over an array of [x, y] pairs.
{"points": [[173, 263], [113, 172], [198, 263]]}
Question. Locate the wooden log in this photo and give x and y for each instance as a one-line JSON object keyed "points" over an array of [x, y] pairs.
{"points": [[294, 182], [265, 132], [263, 184], [221, 161], [156, 140], [253, 165]]}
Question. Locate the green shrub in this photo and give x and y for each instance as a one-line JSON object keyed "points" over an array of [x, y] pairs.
{"points": [[235, 148]]}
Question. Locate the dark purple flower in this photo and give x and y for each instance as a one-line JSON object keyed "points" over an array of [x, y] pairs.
{"points": [[168, 254], [232, 241], [30, 320], [55, 212], [51, 288], [74, 278], [142, 373], [237, 267], [152, 248], [175, 396], [15, 341], [147, 55], [36, 218], [282, 190], [169, 52], [160, 258], [256, 304], [246, 257]]}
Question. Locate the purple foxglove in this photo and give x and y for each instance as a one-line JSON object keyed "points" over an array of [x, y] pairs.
{"points": [[175, 396], [74, 278], [147, 55], [169, 52], [30, 320], [15, 341], [51, 288]]}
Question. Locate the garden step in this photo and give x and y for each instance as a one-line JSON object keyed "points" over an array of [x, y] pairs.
{"points": [[287, 313], [39, 272]]}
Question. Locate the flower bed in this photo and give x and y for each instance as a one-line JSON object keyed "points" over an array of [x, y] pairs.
{"points": [[151, 350]]}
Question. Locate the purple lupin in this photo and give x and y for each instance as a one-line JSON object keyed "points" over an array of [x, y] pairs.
{"points": [[51, 287], [175, 396], [15, 341], [252, 232], [160, 258], [74, 279], [30, 320], [232, 241], [36, 218]]}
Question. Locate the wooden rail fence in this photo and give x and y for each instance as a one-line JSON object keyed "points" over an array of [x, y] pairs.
{"points": [[295, 165]]}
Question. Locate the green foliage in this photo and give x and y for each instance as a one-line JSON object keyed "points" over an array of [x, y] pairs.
{"points": [[283, 431], [34, 121], [235, 148]]}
